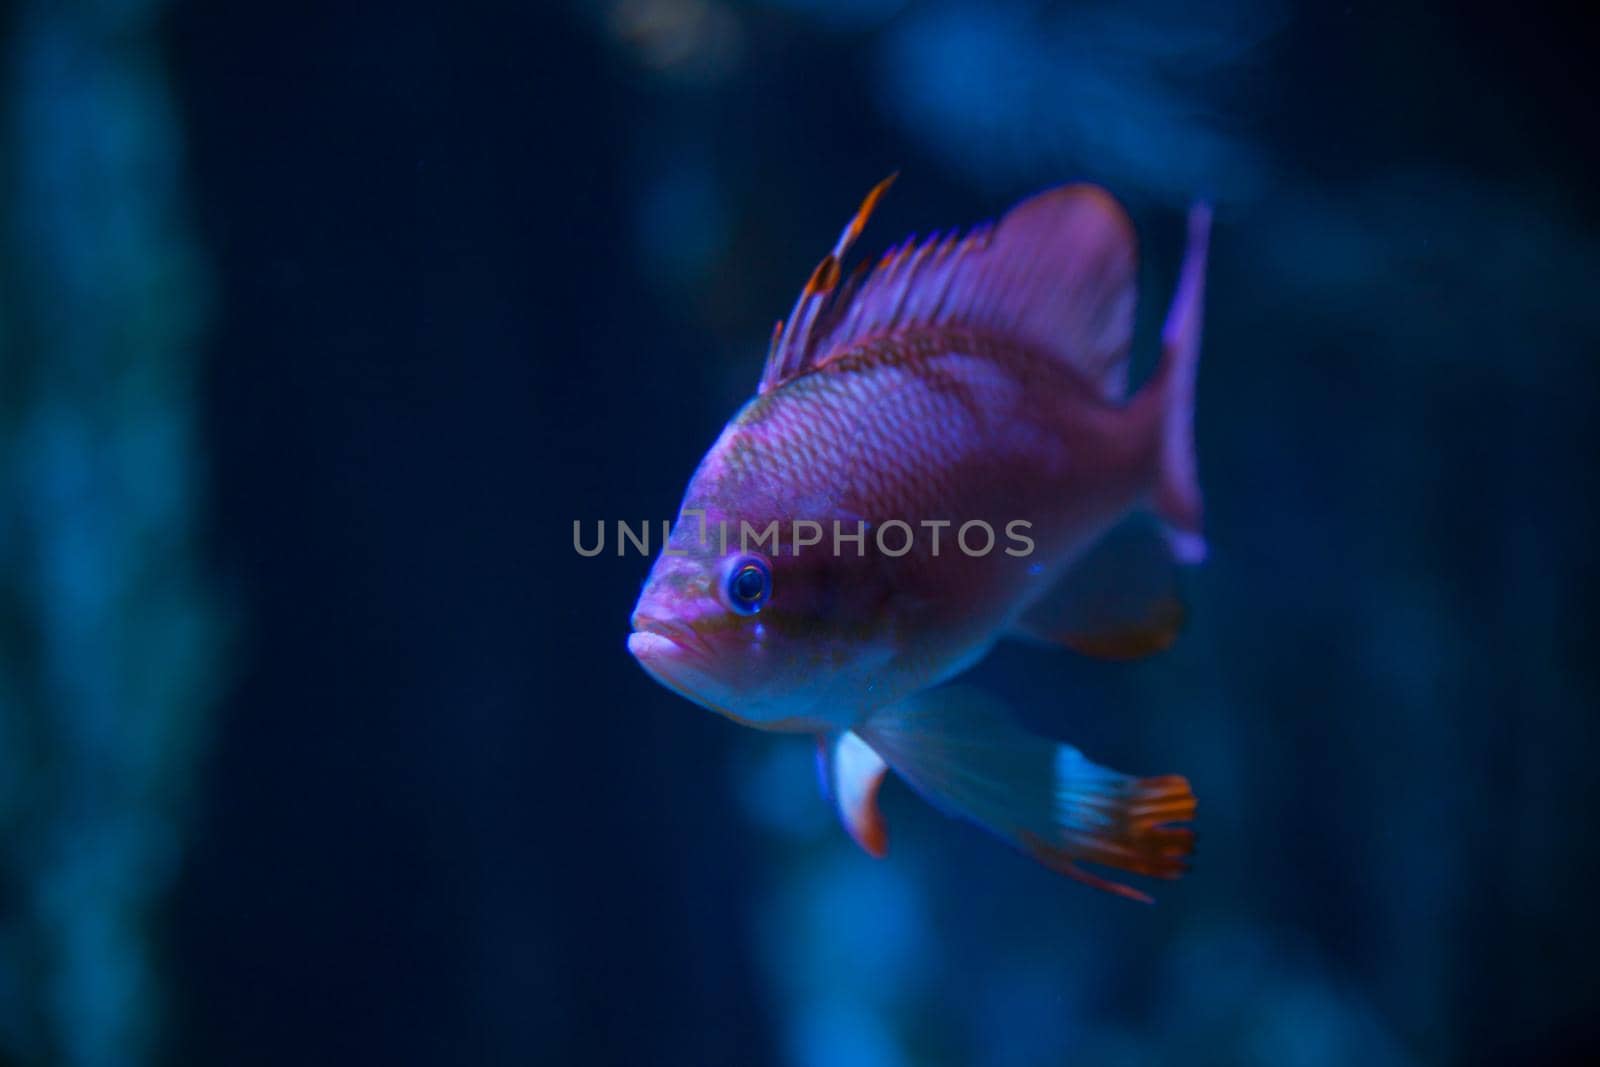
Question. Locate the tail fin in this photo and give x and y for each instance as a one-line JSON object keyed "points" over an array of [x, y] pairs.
{"points": [[963, 754], [1177, 497]]}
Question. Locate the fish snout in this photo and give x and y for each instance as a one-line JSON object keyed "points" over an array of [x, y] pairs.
{"points": [[654, 634]]}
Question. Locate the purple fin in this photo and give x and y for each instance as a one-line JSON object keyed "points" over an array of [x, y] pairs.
{"points": [[1177, 499], [1058, 272]]}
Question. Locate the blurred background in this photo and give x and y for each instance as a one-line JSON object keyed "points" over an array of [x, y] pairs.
{"points": [[321, 322]]}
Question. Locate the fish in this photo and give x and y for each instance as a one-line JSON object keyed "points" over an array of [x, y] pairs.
{"points": [[823, 574]]}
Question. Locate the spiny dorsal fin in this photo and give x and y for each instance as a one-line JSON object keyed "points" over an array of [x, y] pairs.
{"points": [[790, 354], [1058, 272]]}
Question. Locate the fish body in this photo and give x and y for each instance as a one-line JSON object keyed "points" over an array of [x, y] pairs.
{"points": [[940, 445]]}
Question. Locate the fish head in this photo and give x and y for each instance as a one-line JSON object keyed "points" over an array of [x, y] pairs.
{"points": [[767, 638]]}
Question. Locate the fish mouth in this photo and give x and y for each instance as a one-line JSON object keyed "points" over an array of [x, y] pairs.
{"points": [[650, 633]]}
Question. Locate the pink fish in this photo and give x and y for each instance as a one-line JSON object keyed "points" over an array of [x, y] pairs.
{"points": [[824, 572]]}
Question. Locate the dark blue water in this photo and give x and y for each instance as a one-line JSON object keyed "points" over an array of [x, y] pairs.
{"points": [[462, 274]]}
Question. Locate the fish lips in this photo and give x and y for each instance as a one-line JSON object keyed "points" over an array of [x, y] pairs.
{"points": [[651, 631], [665, 645]]}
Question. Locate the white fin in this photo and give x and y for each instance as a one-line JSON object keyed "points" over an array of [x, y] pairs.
{"points": [[851, 773], [962, 752]]}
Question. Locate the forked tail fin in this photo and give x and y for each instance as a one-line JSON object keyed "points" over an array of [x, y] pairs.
{"points": [[962, 752]]}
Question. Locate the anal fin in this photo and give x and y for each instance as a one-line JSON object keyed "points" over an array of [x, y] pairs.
{"points": [[963, 753]]}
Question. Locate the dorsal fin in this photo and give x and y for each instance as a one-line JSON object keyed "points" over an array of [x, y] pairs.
{"points": [[1058, 272], [791, 352]]}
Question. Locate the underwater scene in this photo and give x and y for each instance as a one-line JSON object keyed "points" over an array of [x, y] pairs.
{"points": [[812, 533]]}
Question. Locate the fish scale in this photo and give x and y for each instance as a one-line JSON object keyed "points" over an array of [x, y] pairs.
{"points": [[887, 426]]}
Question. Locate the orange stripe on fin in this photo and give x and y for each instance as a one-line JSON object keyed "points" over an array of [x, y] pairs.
{"points": [[825, 277], [1135, 835], [777, 335], [794, 349], [959, 750], [858, 222], [1057, 860]]}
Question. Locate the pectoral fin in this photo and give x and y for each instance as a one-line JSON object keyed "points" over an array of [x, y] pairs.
{"points": [[851, 773], [1120, 601]]}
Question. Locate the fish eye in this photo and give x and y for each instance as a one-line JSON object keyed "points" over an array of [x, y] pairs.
{"points": [[749, 585]]}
